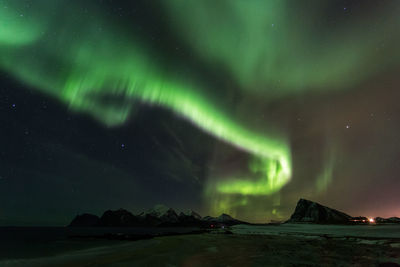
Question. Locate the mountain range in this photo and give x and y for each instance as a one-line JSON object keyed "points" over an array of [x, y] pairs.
{"points": [[160, 215], [306, 211]]}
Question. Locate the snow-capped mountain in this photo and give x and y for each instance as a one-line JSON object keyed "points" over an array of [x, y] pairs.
{"points": [[118, 218], [222, 219], [190, 213], [160, 214]]}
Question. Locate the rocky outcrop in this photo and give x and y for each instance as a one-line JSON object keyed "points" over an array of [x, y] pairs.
{"points": [[311, 212], [85, 220]]}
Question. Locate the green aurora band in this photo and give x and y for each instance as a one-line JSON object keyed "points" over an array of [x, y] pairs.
{"points": [[97, 65], [84, 59], [276, 47]]}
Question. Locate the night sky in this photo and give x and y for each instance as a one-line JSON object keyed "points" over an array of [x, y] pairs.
{"points": [[232, 106]]}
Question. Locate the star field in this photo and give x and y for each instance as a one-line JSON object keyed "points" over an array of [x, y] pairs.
{"points": [[234, 107]]}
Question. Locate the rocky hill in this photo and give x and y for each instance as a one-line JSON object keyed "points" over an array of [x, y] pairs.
{"points": [[311, 212]]}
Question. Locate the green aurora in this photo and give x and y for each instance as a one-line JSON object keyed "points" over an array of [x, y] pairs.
{"points": [[97, 68]]}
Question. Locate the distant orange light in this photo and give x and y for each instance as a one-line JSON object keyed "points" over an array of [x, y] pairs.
{"points": [[371, 220]]}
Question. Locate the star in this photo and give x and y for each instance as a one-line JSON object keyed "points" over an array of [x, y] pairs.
{"points": [[347, 126], [13, 105], [122, 145]]}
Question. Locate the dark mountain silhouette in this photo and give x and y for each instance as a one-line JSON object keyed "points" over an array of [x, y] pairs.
{"points": [[85, 220], [311, 212], [189, 218], [118, 218], [160, 215], [223, 219], [306, 212]]}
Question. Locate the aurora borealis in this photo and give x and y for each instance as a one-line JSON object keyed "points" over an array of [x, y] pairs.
{"points": [[246, 105]]}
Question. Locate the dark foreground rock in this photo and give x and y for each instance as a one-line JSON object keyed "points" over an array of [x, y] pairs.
{"points": [[311, 212]]}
